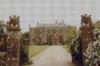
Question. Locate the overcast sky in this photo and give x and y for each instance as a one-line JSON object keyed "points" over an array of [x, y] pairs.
{"points": [[47, 11]]}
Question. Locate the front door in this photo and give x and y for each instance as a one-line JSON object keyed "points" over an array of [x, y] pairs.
{"points": [[55, 41]]}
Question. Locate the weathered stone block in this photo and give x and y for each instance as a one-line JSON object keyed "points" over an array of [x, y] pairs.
{"points": [[3, 57]]}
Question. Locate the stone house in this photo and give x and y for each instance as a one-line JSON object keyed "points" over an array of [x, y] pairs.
{"points": [[49, 33]]}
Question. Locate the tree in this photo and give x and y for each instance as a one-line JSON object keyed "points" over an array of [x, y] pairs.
{"points": [[26, 35], [23, 47], [73, 43], [71, 37], [23, 50], [1, 44], [92, 53], [2, 32]]}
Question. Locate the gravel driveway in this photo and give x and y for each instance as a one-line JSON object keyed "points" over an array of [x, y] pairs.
{"points": [[52, 56]]}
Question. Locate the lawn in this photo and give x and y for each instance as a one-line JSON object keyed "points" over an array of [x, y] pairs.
{"points": [[33, 50], [65, 46]]}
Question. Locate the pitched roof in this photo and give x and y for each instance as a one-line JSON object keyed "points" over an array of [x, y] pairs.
{"points": [[52, 25]]}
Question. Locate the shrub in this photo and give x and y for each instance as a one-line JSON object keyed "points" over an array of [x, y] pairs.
{"points": [[29, 62], [1, 44]]}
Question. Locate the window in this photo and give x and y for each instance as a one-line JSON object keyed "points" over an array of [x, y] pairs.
{"points": [[54, 30], [48, 39], [48, 31], [37, 31], [61, 39], [60, 30]]}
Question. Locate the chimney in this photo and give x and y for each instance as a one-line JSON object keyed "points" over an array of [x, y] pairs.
{"points": [[59, 22], [62, 21], [56, 22], [37, 23], [29, 25]]}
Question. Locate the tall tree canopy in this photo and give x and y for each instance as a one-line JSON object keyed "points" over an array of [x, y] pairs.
{"points": [[71, 37]]}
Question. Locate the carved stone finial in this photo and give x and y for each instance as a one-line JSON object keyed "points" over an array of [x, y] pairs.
{"points": [[14, 15], [18, 17], [9, 16], [86, 15], [86, 20], [81, 15], [14, 23]]}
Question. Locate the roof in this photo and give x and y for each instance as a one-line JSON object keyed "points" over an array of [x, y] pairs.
{"points": [[52, 25]]}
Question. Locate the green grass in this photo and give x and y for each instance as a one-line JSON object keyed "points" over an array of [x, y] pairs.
{"points": [[33, 50], [65, 46], [28, 63]]}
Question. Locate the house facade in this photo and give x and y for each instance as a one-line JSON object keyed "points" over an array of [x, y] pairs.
{"points": [[49, 33]]}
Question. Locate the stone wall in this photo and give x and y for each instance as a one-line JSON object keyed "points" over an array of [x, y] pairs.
{"points": [[86, 33], [13, 44], [3, 58], [13, 48]]}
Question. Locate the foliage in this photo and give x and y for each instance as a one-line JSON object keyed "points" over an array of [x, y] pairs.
{"points": [[64, 46], [1, 44], [23, 50], [63, 43], [26, 35], [1, 41], [2, 32], [23, 47], [73, 43], [97, 25], [76, 51], [92, 53], [93, 50], [29, 62], [40, 43], [50, 43], [71, 37]]}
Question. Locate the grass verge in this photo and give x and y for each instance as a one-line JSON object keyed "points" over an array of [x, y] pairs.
{"points": [[33, 50], [67, 48]]}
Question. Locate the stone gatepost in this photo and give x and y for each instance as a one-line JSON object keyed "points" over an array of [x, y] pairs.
{"points": [[3, 58], [86, 33], [13, 45]]}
